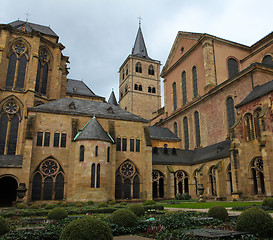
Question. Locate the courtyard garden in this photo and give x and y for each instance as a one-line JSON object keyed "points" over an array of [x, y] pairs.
{"points": [[155, 220]]}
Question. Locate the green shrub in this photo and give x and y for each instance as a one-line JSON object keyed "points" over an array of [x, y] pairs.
{"points": [[186, 196], [268, 202], [178, 196], [79, 204], [123, 203], [86, 228], [218, 212], [256, 221], [102, 205], [34, 206], [49, 206], [149, 202], [4, 226], [112, 203], [137, 209], [124, 218], [90, 202], [57, 213], [63, 204], [21, 206]]}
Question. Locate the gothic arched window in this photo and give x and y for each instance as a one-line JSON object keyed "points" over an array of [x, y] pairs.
{"points": [[184, 88], [158, 184], [257, 169], [212, 180], [181, 182], [18, 57], [151, 70], [230, 112], [48, 181], [98, 176], [249, 128], [186, 132], [42, 72], [138, 67], [257, 123], [197, 129], [9, 121], [233, 68], [127, 181], [194, 82], [174, 97]]}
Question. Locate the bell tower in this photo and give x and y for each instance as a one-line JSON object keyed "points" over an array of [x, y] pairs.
{"points": [[139, 81]]}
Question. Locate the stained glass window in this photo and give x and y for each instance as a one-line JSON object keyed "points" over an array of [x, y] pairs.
{"points": [[174, 97], [230, 112], [197, 129], [186, 133], [232, 68]]}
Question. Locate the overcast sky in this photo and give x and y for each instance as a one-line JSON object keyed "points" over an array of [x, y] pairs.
{"points": [[99, 34]]}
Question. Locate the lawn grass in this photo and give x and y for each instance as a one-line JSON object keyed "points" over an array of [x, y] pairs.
{"points": [[201, 205]]}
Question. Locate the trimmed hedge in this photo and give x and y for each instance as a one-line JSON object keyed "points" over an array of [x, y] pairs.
{"points": [[102, 205], [86, 228], [218, 212], [21, 206], [57, 213], [124, 218], [255, 221], [268, 202], [137, 209], [149, 202], [4, 226]]}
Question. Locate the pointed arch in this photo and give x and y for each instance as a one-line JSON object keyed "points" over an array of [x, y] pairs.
{"points": [[127, 181], [257, 175], [48, 181], [212, 180], [18, 57], [186, 132], [230, 112], [197, 129], [158, 184], [181, 182], [59, 186], [194, 82], [174, 97], [151, 70], [45, 58], [138, 67]]}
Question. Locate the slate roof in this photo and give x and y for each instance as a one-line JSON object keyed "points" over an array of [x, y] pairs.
{"points": [[257, 92], [112, 99], [79, 88], [161, 133], [9, 161], [191, 157], [87, 108], [18, 24], [139, 48], [93, 131]]}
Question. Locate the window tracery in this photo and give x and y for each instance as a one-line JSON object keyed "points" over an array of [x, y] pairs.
{"points": [[10, 117], [18, 57], [48, 181], [42, 72]]}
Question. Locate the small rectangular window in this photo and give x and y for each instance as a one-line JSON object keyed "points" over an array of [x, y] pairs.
{"points": [[137, 145], [118, 144], [47, 139], [56, 139], [96, 151], [132, 145], [108, 154], [39, 138], [63, 140], [124, 144]]}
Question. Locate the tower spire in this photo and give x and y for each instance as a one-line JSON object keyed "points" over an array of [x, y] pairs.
{"points": [[139, 20], [139, 48]]}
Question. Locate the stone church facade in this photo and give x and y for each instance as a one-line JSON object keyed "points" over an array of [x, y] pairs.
{"points": [[64, 142]]}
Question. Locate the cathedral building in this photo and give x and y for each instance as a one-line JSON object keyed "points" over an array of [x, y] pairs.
{"points": [[218, 101], [64, 142]]}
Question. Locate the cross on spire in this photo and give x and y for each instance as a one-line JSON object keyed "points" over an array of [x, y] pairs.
{"points": [[139, 20], [28, 15]]}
